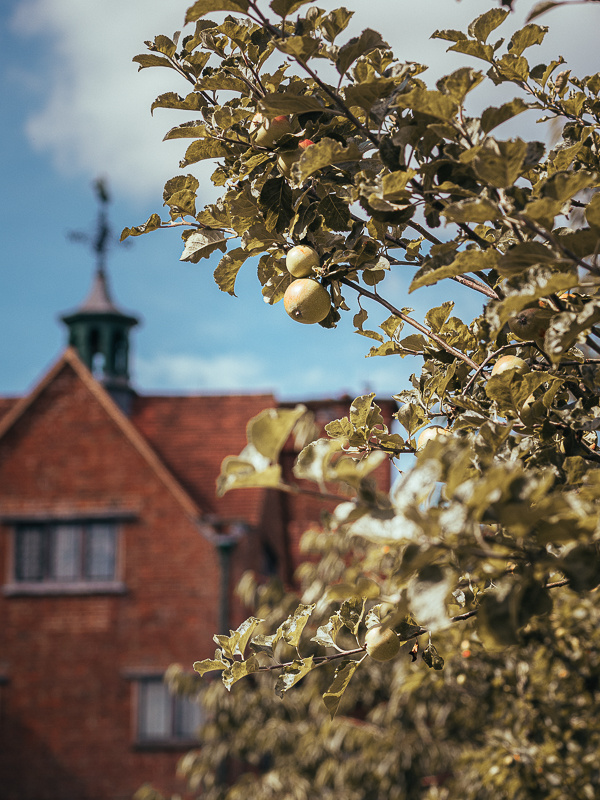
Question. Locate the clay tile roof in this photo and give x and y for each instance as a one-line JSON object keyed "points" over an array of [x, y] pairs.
{"points": [[192, 435], [6, 403]]}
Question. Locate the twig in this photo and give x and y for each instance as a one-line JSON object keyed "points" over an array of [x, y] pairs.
{"points": [[410, 321]]}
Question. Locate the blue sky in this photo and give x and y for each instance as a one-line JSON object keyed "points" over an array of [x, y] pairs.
{"points": [[74, 107]]}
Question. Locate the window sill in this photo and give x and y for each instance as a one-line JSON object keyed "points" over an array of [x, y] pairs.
{"points": [[166, 744], [44, 588]]}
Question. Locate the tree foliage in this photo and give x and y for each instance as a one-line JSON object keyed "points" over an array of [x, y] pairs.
{"points": [[483, 557]]}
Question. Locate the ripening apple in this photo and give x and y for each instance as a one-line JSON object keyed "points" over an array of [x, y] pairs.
{"points": [[429, 434], [306, 301], [301, 260], [382, 644], [531, 323], [268, 132], [507, 363], [289, 157]]}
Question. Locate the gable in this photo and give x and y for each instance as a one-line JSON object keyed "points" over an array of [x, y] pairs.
{"points": [[68, 444]]}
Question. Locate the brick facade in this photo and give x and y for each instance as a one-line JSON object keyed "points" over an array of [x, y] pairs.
{"points": [[69, 661]]}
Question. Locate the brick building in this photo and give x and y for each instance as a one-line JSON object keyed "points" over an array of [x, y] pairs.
{"points": [[117, 559]]}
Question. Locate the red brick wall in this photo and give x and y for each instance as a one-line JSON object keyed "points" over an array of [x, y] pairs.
{"points": [[66, 712]]}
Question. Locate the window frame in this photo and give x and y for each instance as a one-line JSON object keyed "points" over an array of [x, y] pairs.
{"points": [[80, 584], [173, 740]]}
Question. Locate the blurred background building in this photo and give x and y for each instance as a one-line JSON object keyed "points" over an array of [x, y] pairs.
{"points": [[117, 559]]}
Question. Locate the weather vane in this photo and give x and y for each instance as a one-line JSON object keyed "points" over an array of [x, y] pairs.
{"points": [[101, 240]]}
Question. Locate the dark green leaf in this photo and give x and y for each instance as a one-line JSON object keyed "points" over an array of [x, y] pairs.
{"points": [[202, 7], [276, 197], [285, 7], [287, 103], [358, 46], [481, 27], [335, 213], [152, 224], [526, 37], [228, 268], [192, 102], [492, 117]]}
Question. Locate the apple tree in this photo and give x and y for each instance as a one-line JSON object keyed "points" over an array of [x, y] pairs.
{"points": [[453, 622]]}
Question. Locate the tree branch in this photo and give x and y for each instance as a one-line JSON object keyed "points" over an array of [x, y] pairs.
{"points": [[405, 318]]}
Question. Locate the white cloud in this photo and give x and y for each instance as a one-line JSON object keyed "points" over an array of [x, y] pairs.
{"points": [[95, 112], [188, 372], [94, 107]]}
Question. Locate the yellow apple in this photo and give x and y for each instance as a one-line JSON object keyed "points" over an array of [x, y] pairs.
{"points": [[301, 260], [382, 644], [306, 301], [429, 434], [289, 157], [507, 363], [267, 132]]}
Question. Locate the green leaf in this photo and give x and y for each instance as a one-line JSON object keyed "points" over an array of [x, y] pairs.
{"points": [[592, 214], [246, 470], [564, 185], [358, 46], [341, 678], [300, 47], [459, 83], [472, 210], [541, 8], [335, 22], [154, 222], [285, 7], [288, 103], [522, 256], [567, 328], [323, 154], [269, 430], [449, 35], [210, 664], [436, 104], [481, 27], [327, 634], [228, 268], [191, 102], [291, 629], [265, 644], [466, 261], [492, 117], [188, 130], [476, 49], [290, 675], [276, 198], [201, 244], [526, 37], [367, 93], [351, 613], [335, 213], [313, 462], [150, 60], [238, 670], [203, 149], [500, 163], [203, 7]]}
